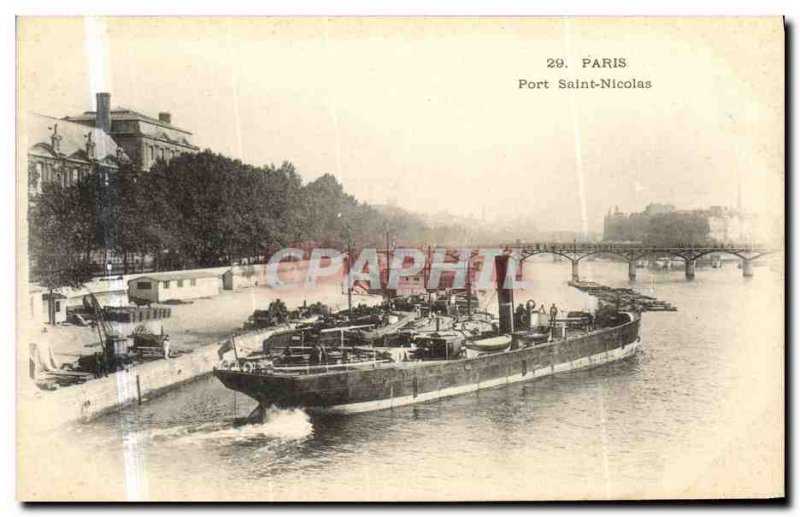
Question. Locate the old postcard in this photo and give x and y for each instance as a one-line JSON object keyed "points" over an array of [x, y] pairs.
{"points": [[400, 259]]}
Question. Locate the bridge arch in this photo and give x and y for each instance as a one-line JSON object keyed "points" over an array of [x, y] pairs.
{"points": [[757, 255], [558, 253], [623, 256]]}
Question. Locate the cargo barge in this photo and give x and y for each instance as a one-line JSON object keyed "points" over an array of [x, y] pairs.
{"points": [[436, 365]]}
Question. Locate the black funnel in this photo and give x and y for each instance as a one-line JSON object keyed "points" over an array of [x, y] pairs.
{"points": [[505, 299]]}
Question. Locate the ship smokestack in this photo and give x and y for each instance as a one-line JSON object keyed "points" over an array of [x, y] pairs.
{"points": [[103, 114], [505, 298]]}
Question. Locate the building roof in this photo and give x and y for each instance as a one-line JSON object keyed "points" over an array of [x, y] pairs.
{"points": [[39, 131], [142, 125], [123, 113], [177, 275]]}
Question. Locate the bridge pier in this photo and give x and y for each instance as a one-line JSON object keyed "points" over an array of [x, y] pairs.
{"points": [[631, 270], [747, 267], [690, 269], [575, 275]]}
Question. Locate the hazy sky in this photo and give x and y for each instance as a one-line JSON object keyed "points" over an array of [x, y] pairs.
{"points": [[429, 112]]}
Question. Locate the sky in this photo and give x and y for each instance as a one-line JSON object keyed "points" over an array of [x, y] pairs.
{"points": [[428, 113]]}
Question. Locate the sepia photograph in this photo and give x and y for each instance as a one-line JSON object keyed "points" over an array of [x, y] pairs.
{"points": [[400, 258]]}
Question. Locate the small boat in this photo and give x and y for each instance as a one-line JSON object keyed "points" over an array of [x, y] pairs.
{"points": [[533, 336], [490, 344]]}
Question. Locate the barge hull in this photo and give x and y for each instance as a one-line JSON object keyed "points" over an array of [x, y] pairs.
{"points": [[385, 386], [392, 402]]}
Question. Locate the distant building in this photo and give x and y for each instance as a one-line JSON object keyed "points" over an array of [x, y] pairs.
{"points": [[727, 225], [64, 152], [662, 224], [621, 227], [659, 209], [145, 139]]}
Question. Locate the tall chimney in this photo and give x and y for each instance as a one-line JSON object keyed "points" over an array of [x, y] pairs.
{"points": [[165, 117], [103, 114], [504, 296]]}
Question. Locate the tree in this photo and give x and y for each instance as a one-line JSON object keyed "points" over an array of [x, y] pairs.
{"points": [[62, 236]]}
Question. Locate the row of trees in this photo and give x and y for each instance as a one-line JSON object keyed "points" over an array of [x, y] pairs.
{"points": [[201, 210]]}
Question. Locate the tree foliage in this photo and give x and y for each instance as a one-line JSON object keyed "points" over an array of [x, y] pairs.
{"points": [[63, 233], [202, 210]]}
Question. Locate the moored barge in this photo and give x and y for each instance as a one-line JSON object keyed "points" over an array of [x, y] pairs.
{"points": [[333, 382]]}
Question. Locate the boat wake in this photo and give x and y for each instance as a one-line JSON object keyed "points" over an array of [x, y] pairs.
{"points": [[279, 424]]}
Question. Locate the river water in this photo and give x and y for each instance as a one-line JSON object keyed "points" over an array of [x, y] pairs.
{"points": [[697, 412]]}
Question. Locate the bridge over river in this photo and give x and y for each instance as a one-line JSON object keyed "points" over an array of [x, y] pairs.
{"points": [[575, 252], [633, 253]]}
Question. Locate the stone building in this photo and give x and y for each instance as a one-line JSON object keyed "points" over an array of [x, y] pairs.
{"points": [[622, 227], [143, 138], [662, 224], [63, 152]]}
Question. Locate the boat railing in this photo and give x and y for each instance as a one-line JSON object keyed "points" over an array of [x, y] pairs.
{"points": [[327, 367], [320, 368]]}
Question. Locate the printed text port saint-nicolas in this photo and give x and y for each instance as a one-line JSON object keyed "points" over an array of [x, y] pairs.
{"points": [[584, 81]]}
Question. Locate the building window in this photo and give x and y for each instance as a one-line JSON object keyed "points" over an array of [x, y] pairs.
{"points": [[193, 282], [160, 153], [166, 284], [180, 283], [145, 286]]}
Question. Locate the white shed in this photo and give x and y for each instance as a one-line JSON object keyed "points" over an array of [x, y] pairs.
{"points": [[232, 280], [161, 287], [56, 308], [36, 312]]}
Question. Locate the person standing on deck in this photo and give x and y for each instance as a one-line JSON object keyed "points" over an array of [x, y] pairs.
{"points": [[313, 358], [102, 364], [98, 372]]}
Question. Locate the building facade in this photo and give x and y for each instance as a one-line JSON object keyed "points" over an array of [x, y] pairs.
{"points": [[143, 138], [64, 152], [661, 224]]}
